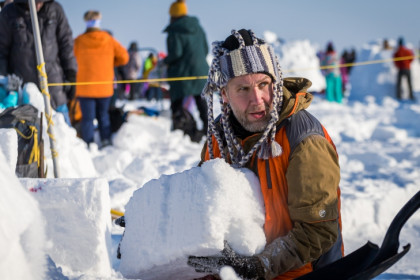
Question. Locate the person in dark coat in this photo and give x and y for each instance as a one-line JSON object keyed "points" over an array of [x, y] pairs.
{"points": [[17, 51], [187, 50]]}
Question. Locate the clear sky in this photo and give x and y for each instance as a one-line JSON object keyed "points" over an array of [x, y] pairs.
{"points": [[346, 23]]}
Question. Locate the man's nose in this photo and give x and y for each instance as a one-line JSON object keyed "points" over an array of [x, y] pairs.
{"points": [[256, 95]]}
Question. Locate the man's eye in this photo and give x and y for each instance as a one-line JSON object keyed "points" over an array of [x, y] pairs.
{"points": [[263, 84]]}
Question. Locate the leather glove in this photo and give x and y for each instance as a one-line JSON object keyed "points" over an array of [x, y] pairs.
{"points": [[70, 90], [245, 267]]}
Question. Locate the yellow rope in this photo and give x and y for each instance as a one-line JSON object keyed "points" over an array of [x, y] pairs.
{"points": [[43, 82], [130, 81], [44, 90], [205, 77], [35, 153], [356, 63]]}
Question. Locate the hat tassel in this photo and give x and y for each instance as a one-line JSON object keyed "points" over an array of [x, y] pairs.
{"points": [[270, 150]]}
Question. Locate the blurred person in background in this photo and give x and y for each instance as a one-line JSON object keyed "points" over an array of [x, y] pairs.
{"points": [[131, 70], [17, 49], [330, 61], [187, 51], [97, 53], [404, 58]]}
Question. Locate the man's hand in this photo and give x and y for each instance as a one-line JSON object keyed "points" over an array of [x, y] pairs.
{"points": [[70, 90], [246, 267]]}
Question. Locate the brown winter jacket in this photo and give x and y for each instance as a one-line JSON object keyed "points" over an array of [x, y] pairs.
{"points": [[301, 193], [97, 53]]}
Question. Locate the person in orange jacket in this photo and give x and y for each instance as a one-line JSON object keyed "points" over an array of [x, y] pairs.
{"points": [[264, 126], [403, 67], [97, 53]]}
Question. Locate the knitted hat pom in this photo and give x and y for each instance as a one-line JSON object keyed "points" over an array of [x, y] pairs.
{"points": [[178, 9]]}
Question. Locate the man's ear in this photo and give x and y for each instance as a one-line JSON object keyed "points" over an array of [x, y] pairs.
{"points": [[224, 96]]}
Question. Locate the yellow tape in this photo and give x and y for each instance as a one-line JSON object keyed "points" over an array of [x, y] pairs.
{"points": [[205, 77], [356, 63], [43, 82], [44, 90], [117, 213]]}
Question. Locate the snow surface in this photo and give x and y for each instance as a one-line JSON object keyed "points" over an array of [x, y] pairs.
{"points": [[377, 138], [193, 213]]}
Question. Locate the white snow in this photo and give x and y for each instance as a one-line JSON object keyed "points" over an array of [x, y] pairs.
{"points": [[77, 220], [22, 230], [152, 175], [9, 146], [191, 213]]}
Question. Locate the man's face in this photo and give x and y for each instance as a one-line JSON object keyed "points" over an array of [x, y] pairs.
{"points": [[250, 97], [39, 5]]}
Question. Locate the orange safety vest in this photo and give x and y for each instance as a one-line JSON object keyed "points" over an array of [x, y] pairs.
{"points": [[274, 189]]}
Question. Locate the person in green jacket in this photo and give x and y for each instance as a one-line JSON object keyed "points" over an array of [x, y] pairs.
{"points": [[187, 49]]}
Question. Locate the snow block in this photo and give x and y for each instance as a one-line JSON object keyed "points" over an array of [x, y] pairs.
{"points": [[9, 146], [22, 229], [77, 212], [191, 213]]}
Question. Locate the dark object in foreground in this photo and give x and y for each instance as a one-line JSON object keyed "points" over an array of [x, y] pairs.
{"points": [[371, 260], [246, 267]]}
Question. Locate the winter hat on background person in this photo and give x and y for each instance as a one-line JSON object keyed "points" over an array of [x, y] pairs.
{"points": [[133, 47], [240, 54], [178, 9], [330, 47], [92, 19], [401, 41]]}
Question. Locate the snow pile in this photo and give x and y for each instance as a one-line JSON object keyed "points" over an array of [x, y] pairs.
{"points": [[9, 147], [22, 230], [191, 213], [298, 59], [78, 223]]}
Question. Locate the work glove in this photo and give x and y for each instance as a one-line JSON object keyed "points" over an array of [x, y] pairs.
{"points": [[245, 267], [70, 78], [14, 82], [120, 221]]}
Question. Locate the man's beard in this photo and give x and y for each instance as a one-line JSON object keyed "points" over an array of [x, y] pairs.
{"points": [[254, 126]]}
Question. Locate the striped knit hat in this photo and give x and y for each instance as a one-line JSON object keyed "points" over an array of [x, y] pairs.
{"points": [[240, 54]]}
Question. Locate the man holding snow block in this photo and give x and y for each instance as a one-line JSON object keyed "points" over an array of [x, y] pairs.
{"points": [[264, 126]]}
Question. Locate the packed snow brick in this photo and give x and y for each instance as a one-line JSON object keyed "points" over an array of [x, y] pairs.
{"points": [[22, 228], [191, 213], [77, 212], [9, 146]]}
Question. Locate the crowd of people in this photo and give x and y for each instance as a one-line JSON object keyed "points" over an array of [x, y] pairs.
{"points": [[96, 56], [67, 61], [337, 69]]}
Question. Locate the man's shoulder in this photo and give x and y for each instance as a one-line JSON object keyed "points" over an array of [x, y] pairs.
{"points": [[301, 125]]}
